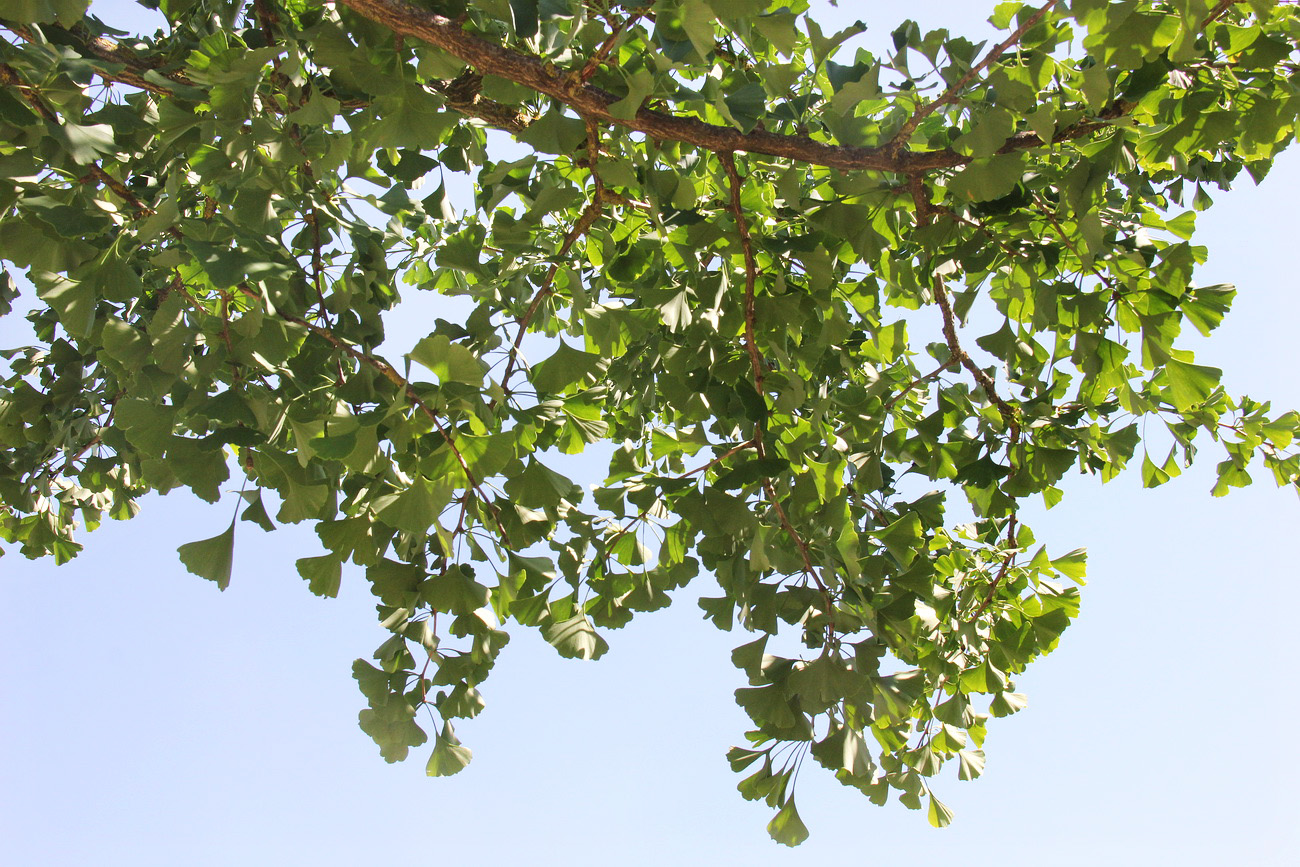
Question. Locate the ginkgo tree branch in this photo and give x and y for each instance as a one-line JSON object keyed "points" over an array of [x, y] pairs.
{"points": [[588, 218], [751, 277], [10, 77], [1009, 413], [920, 380], [952, 94], [601, 55], [591, 101], [756, 363], [131, 68], [390, 373], [751, 443], [1007, 560]]}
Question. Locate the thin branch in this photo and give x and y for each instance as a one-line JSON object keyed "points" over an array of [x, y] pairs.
{"points": [[125, 66], [602, 53], [756, 363], [920, 380], [584, 224], [952, 93], [1218, 12], [1047, 212], [130, 68], [925, 213], [10, 77], [622, 531], [981, 226], [751, 278], [1009, 413], [89, 444], [806, 555], [390, 373], [119, 189], [1002, 572]]}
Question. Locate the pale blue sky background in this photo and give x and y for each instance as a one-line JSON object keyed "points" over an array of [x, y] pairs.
{"points": [[149, 720]]}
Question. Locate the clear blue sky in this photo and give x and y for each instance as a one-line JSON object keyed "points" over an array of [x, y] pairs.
{"points": [[150, 720]]}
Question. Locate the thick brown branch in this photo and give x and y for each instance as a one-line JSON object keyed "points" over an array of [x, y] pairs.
{"points": [[592, 102], [462, 95]]}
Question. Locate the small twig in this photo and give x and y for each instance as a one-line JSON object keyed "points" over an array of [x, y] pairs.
{"points": [[584, 224], [225, 333], [756, 364], [751, 278], [794, 535], [622, 531], [1002, 572], [1047, 212], [950, 95], [89, 444], [390, 373], [1009, 413], [806, 556], [920, 380], [981, 226], [119, 189], [1218, 12], [602, 53], [9, 76], [747, 444]]}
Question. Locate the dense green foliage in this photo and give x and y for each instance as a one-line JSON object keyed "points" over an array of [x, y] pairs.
{"points": [[726, 230]]}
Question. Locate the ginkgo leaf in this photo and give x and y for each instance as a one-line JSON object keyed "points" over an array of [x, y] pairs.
{"points": [[787, 827], [211, 558]]}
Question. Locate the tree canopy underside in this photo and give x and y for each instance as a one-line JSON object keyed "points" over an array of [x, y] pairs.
{"points": [[725, 224]]}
